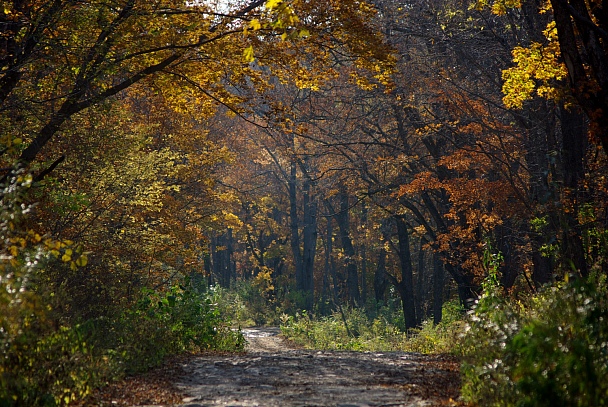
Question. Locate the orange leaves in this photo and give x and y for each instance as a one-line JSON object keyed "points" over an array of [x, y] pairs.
{"points": [[422, 181]]}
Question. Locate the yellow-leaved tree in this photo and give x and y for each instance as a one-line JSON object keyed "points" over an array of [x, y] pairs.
{"points": [[106, 167]]}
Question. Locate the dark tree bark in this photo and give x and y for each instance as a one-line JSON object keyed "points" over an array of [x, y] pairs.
{"points": [[363, 253], [343, 221], [327, 272], [583, 35], [380, 281], [309, 237], [294, 226], [303, 249], [405, 287], [420, 286], [574, 142], [438, 283], [542, 196], [222, 264]]}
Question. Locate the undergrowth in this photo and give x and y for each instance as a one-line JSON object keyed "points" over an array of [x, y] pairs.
{"points": [[47, 366], [372, 334], [50, 356], [546, 350]]}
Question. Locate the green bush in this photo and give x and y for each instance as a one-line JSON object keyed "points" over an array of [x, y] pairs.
{"points": [[366, 334], [551, 349], [246, 305], [182, 319], [50, 356], [41, 362], [45, 365], [442, 338]]}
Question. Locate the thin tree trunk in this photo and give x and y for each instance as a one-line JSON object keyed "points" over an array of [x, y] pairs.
{"points": [[352, 279], [420, 284], [438, 277], [406, 285], [363, 251], [380, 281], [294, 226], [327, 270], [309, 237], [574, 135]]}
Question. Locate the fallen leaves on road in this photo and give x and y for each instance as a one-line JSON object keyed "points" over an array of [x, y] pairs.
{"points": [[154, 387]]}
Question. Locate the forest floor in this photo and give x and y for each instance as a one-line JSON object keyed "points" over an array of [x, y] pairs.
{"points": [[273, 372]]}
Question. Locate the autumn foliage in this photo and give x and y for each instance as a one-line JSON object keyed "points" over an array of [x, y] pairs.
{"points": [[308, 155]]}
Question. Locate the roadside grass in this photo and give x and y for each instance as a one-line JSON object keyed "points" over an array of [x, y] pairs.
{"points": [[356, 331]]}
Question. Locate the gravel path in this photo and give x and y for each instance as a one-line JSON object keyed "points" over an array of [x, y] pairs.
{"points": [[273, 373]]}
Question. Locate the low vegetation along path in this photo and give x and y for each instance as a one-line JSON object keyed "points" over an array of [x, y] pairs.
{"points": [[274, 373]]}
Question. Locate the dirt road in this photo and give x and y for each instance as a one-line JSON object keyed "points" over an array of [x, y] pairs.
{"points": [[272, 373]]}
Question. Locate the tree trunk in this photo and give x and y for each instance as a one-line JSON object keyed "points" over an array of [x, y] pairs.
{"points": [[420, 314], [541, 196], [294, 226], [352, 279], [406, 285], [586, 59], [438, 277], [327, 270], [310, 245], [574, 136], [380, 281]]}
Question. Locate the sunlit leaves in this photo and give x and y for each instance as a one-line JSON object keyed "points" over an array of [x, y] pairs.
{"points": [[255, 24], [538, 67], [272, 4], [498, 7], [248, 54]]}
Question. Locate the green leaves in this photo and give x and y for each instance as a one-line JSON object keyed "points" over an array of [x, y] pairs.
{"points": [[550, 350]]}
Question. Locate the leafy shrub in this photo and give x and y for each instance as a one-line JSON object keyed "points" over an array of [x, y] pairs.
{"points": [[54, 369], [365, 334], [50, 356], [45, 366], [442, 338], [182, 319], [40, 364], [551, 349], [246, 304]]}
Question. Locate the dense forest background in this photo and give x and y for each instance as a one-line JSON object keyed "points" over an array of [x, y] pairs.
{"points": [[310, 155]]}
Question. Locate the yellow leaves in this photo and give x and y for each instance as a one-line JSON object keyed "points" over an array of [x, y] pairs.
{"points": [[538, 67], [263, 281], [303, 33], [248, 54], [232, 219], [498, 7], [14, 251], [31, 242], [65, 251], [82, 261], [273, 4], [255, 24]]}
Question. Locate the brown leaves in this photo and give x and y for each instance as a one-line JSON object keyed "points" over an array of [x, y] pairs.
{"points": [[153, 388]]}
